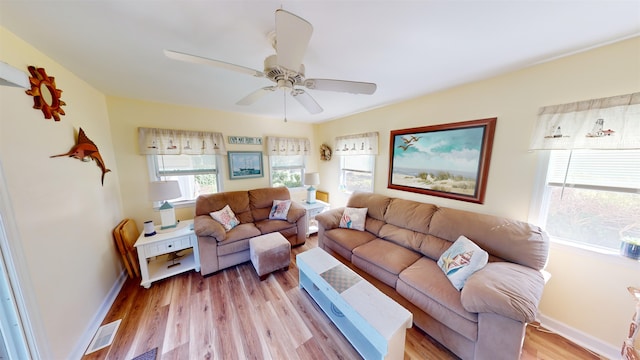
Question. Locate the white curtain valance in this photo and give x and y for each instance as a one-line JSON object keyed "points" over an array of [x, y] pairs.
{"points": [[287, 146], [176, 142], [608, 123], [358, 144]]}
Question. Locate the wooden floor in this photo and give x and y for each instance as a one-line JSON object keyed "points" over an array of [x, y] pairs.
{"points": [[232, 315]]}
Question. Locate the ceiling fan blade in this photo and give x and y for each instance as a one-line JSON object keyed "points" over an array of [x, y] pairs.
{"points": [[256, 95], [306, 100], [176, 55], [292, 38], [354, 87]]}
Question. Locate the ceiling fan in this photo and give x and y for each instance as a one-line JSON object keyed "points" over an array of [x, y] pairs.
{"points": [[285, 68]]}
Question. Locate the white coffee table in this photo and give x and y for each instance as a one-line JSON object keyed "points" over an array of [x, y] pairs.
{"points": [[372, 322]]}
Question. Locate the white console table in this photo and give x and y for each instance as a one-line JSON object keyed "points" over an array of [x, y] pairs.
{"points": [[152, 252], [314, 209]]}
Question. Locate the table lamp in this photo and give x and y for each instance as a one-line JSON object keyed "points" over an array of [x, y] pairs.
{"points": [[311, 179], [163, 191]]}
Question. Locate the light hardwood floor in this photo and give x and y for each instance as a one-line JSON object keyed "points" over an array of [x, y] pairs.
{"points": [[233, 315]]}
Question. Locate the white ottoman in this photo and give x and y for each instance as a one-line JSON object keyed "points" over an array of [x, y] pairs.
{"points": [[269, 252]]}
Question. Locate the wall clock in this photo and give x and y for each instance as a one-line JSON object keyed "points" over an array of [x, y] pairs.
{"points": [[46, 96]]}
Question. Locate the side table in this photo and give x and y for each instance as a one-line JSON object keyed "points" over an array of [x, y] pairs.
{"points": [[153, 252], [313, 210]]}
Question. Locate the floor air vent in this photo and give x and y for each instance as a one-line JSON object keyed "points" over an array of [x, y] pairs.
{"points": [[104, 336]]}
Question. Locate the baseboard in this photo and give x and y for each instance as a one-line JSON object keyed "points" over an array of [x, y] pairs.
{"points": [[585, 340], [85, 340]]}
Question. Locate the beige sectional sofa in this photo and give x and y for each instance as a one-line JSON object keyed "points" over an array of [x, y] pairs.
{"points": [[398, 252], [220, 249]]}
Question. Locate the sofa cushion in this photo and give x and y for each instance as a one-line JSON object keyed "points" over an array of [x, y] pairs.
{"points": [[241, 232], [376, 203], [504, 238], [225, 217], [353, 218], [433, 247], [279, 209], [506, 289], [261, 200], [238, 201], [383, 260], [461, 260], [408, 214], [269, 226], [343, 241], [426, 286], [405, 237]]}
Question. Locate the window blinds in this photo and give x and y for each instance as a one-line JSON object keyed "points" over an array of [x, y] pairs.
{"points": [[595, 169]]}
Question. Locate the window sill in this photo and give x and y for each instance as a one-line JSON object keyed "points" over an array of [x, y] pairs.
{"points": [[607, 254], [179, 204], [184, 204]]}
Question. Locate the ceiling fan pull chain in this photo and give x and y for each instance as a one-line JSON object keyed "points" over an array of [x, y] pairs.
{"points": [[284, 94]]}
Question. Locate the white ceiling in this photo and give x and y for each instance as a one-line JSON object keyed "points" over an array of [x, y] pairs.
{"points": [[408, 48]]}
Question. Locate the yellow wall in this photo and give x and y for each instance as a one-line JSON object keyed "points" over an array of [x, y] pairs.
{"points": [[63, 215], [587, 293], [127, 115]]}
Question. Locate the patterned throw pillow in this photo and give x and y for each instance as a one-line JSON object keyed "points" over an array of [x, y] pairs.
{"points": [[461, 260], [280, 209], [353, 218], [226, 217]]}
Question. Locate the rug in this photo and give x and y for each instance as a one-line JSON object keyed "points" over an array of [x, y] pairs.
{"points": [[149, 355]]}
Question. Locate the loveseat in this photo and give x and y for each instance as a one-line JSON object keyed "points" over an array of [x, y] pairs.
{"points": [[398, 252], [219, 248]]}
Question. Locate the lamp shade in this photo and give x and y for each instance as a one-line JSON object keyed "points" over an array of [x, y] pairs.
{"points": [[312, 178], [164, 190]]}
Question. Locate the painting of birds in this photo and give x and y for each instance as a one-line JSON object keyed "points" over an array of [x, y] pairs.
{"points": [[409, 141], [85, 150]]}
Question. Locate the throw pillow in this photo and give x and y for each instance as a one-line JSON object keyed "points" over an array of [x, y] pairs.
{"points": [[353, 218], [280, 209], [226, 217], [461, 260]]}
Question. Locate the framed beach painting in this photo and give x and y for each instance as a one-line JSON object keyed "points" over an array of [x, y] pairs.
{"points": [[446, 160], [245, 164]]}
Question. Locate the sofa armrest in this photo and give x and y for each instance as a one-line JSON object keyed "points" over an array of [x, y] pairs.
{"points": [[506, 289], [330, 219], [296, 212], [204, 225]]}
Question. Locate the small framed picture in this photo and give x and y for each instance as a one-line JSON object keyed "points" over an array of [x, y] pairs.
{"points": [[245, 164]]}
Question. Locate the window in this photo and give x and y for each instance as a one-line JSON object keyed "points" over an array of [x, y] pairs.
{"points": [[592, 197], [287, 170], [196, 174], [356, 172]]}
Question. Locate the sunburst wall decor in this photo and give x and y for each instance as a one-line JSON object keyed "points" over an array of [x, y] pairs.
{"points": [[46, 96]]}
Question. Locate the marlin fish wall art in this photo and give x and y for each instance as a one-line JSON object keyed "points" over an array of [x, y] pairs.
{"points": [[85, 150]]}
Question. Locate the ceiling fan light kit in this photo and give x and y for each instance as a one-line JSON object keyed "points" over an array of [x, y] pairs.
{"points": [[290, 40]]}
